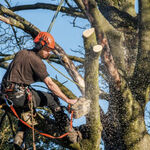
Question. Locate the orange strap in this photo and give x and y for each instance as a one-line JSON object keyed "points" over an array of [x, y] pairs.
{"points": [[44, 134]]}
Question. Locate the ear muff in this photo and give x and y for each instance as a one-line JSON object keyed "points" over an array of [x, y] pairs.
{"points": [[39, 46]]}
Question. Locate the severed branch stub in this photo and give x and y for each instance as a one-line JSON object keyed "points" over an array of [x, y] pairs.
{"points": [[88, 32], [97, 48], [89, 35]]}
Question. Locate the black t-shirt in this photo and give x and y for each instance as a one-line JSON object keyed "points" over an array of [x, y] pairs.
{"points": [[26, 68]]}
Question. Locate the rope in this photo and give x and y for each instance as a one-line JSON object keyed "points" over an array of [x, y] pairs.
{"points": [[32, 118], [10, 105], [49, 30], [44, 134], [33, 133], [55, 15], [62, 74]]}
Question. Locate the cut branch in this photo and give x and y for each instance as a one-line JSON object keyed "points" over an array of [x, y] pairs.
{"points": [[92, 87], [97, 48]]}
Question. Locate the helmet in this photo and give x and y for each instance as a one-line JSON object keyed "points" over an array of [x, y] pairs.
{"points": [[45, 39]]}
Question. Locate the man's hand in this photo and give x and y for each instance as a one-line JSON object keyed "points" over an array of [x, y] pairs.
{"points": [[72, 101], [56, 90]]}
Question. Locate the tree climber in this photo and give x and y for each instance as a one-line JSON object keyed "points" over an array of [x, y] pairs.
{"points": [[26, 68]]}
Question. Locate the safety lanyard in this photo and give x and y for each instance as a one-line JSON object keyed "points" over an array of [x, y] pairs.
{"points": [[9, 103]]}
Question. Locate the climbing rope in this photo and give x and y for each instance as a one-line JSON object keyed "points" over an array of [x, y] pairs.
{"points": [[49, 30], [30, 100], [62, 74], [55, 15]]}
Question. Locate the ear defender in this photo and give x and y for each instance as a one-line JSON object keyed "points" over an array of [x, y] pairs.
{"points": [[39, 45]]}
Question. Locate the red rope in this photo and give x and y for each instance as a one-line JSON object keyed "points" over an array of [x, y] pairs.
{"points": [[44, 134]]}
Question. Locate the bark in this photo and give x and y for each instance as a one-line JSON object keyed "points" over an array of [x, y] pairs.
{"points": [[126, 110], [91, 82], [117, 17], [16, 20], [70, 67], [142, 71]]}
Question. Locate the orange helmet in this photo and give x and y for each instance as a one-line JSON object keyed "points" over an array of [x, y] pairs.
{"points": [[45, 39]]}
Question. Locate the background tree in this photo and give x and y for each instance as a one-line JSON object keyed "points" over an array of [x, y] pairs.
{"points": [[123, 37]]}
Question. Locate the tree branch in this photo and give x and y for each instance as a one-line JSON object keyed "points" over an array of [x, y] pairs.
{"points": [[117, 18], [66, 10], [73, 58], [70, 67], [6, 58], [91, 82], [17, 21], [4, 65]]}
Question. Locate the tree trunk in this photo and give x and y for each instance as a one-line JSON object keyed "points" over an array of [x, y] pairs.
{"points": [[92, 89], [125, 126]]}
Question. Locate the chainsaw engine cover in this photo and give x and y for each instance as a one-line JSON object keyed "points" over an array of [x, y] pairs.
{"points": [[81, 108]]}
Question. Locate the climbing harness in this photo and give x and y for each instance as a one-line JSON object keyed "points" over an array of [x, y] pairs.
{"points": [[9, 103]]}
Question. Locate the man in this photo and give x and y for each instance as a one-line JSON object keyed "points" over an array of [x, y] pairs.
{"points": [[26, 68]]}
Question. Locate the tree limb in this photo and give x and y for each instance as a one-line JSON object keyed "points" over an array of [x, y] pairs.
{"points": [[70, 67], [53, 7], [91, 82], [18, 21], [4, 65], [6, 58], [118, 19]]}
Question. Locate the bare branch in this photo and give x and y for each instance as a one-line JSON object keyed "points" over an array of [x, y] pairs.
{"points": [[69, 11]]}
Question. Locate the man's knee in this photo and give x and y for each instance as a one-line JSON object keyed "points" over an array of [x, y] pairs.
{"points": [[18, 140]]}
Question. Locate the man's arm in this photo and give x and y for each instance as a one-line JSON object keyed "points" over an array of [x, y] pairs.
{"points": [[56, 90]]}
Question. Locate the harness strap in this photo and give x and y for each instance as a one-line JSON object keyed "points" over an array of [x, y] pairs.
{"points": [[10, 104], [44, 134]]}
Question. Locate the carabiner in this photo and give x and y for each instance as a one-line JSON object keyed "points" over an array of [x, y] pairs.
{"points": [[7, 103]]}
